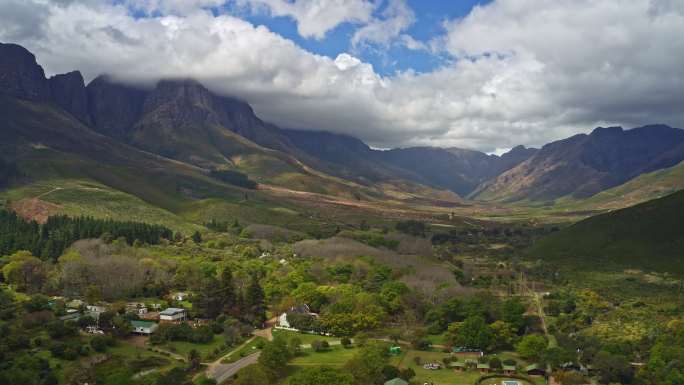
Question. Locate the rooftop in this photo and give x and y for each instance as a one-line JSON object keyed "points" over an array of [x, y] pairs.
{"points": [[142, 324], [172, 311]]}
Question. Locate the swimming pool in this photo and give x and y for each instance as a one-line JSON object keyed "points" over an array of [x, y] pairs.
{"points": [[510, 382]]}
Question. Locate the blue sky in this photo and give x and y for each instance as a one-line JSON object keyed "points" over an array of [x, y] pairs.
{"points": [[429, 18]]}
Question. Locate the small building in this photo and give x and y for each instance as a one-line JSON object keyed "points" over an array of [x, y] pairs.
{"points": [[96, 308], [457, 366], [483, 368], [397, 381], [136, 308], [173, 314], [144, 327], [509, 369], [535, 370]]}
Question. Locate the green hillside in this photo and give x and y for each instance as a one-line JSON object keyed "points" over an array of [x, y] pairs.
{"points": [[647, 236], [69, 169]]}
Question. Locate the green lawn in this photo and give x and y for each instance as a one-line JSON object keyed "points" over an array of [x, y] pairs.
{"points": [[335, 356], [438, 377], [438, 339], [304, 337], [206, 351]]}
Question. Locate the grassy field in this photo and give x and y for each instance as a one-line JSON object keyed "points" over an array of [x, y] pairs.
{"points": [[335, 356], [78, 197], [304, 337], [438, 339], [438, 377], [205, 350]]}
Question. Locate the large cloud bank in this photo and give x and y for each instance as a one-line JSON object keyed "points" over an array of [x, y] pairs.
{"points": [[520, 71]]}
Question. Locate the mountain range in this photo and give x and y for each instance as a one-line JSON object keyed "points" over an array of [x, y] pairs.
{"points": [[179, 123]]}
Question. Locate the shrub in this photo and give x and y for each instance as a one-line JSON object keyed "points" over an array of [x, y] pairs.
{"points": [[99, 343], [346, 342], [318, 346]]}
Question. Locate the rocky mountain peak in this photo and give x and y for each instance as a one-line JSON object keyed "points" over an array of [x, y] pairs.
{"points": [[69, 92], [114, 107], [20, 74], [184, 93], [607, 131]]}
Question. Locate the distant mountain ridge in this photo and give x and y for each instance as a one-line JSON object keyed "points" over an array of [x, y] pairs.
{"points": [[182, 120], [455, 169], [584, 165]]}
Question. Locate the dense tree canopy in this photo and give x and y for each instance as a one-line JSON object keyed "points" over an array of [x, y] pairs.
{"points": [[48, 241]]}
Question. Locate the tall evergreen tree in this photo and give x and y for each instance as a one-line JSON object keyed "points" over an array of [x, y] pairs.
{"points": [[255, 301]]}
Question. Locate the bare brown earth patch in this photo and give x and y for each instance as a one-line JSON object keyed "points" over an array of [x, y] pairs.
{"points": [[35, 209]]}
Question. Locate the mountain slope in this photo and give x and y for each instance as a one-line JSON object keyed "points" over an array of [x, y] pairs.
{"points": [[183, 120], [647, 236], [454, 169], [645, 187], [584, 165]]}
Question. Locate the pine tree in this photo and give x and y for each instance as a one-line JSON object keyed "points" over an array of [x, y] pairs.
{"points": [[255, 300]]}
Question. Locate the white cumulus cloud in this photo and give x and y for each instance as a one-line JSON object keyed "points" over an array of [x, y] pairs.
{"points": [[523, 71], [316, 17]]}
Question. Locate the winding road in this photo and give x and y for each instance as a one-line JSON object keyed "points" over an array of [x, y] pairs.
{"points": [[222, 372]]}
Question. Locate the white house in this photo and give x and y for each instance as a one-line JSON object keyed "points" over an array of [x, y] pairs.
{"points": [[173, 314], [302, 309], [144, 327], [282, 321]]}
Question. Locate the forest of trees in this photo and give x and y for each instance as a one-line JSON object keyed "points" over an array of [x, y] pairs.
{"points": [[49, 240]]}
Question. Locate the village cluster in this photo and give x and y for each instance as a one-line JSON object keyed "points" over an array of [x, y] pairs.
{"points": [[149, 315]]}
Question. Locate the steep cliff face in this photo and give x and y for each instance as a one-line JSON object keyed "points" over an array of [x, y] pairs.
{"points": [[69, 92], [113, 107], [20, 74]]}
